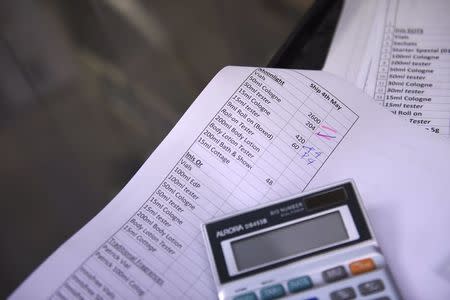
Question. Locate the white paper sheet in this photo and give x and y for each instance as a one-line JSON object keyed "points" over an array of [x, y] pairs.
{"points": [[254, 135], [411, 73], [398, 51]]}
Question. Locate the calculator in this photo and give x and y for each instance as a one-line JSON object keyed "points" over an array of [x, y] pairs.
{"points": [[316, 245]]}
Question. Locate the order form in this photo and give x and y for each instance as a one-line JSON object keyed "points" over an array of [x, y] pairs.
{"points": [[267, 141], [407, 50], [413, 71], [255, 135]]}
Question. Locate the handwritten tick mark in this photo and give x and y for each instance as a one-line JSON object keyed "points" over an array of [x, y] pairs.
{"points": [[328, 128], [326, 136]]}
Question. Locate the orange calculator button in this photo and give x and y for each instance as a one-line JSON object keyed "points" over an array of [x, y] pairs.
{"points": [[362, 266]]}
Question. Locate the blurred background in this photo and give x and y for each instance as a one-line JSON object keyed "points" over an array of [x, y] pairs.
{"points": [[89, 88]]}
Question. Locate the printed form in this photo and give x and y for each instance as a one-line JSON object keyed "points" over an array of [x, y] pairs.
{"points": [[255, 135], [405, 64], [411, 72]]}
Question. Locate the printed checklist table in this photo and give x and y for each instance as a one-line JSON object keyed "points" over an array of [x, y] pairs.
{"points": [[267, 141], [413, 79]]}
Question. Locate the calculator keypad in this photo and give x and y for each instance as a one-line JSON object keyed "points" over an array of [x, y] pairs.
{"points": [[369, 286]]}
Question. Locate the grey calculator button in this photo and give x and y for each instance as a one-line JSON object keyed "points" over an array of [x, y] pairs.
{"points": [[344, 294], [371, 287], [334, 274], [383, 298]]}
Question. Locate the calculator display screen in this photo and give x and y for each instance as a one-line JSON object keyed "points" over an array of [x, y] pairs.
{"points": [[291, 240]]}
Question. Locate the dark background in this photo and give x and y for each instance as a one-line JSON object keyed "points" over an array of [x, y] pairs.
{"points": [[88, 89]]}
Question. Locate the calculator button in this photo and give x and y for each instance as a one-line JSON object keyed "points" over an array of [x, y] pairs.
{"points": [[383, 298], [371, 287], [313, 298], [334, 274], [344, 294], [299, 284], [272, 292], [362, 266], [247, 296]]}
